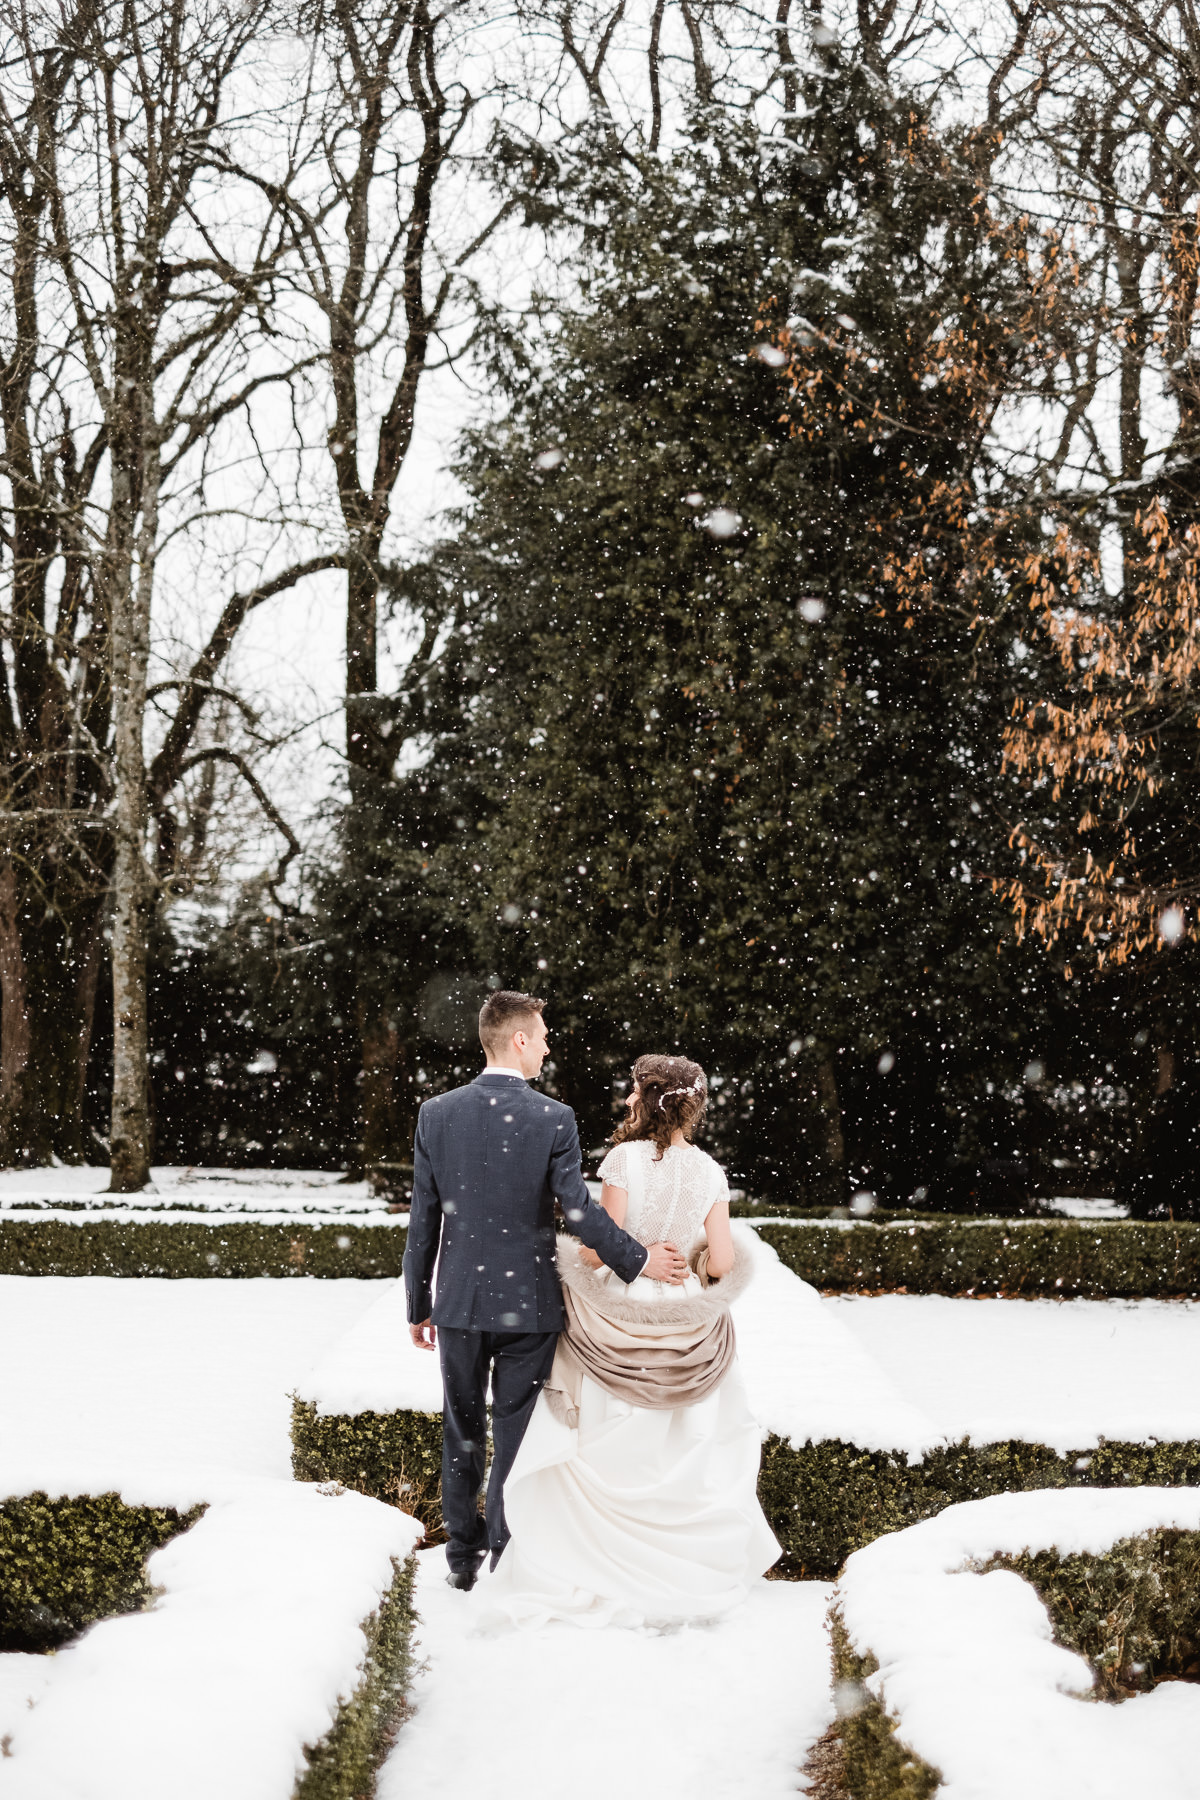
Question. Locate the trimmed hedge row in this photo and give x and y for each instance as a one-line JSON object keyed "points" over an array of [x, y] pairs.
{"points": [[1021, 1257], [823, 1500], [875, 1764], [828, 1499], [1015, 1257], [187, 1248], [392, 1456], [66, 1562], [344, 1764], [1133, 1613]]}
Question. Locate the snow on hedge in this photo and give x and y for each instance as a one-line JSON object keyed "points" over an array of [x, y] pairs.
{"points": [[967, 1663], [1064, 1373], [241, 1662], [288, 1191], [122, 1376], [375, 1367], [896, 1372], [807, 1375]]}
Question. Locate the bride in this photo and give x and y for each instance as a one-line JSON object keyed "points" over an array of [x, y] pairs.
{"points": [[633, 1496]]}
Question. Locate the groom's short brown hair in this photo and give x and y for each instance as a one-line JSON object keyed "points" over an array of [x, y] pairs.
{"points": [[503, 1013]]}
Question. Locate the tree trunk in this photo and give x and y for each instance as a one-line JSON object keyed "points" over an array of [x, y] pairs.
{"points": [[49, 963], [130, 1134], [14, 1025], [382, 1146], [834, 1178]]}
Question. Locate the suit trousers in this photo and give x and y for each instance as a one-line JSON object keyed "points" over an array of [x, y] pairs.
{"points": [[519, 1363]]}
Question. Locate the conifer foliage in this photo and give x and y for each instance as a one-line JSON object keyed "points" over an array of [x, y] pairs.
{"points": [[738, 792]]}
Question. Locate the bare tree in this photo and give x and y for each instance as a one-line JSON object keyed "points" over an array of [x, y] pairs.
{"points": [[135, 320]]}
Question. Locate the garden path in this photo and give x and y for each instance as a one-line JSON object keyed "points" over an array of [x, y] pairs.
{"points": [[712, 1712]]}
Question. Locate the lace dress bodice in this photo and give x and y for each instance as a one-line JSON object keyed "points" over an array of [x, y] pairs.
{"points": [[676, 1192]]}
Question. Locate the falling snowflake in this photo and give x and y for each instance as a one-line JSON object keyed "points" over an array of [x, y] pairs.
{"points": [[1170, 925]]}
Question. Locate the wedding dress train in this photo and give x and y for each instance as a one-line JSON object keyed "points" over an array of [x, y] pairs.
{"points": [[634, 1514]]}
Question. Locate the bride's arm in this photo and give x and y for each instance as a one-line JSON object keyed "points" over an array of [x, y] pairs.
{"points": [[615, 1201], [720, 1240]]}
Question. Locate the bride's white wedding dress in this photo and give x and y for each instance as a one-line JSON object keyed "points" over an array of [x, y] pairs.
{"points": [[638, 1514]]}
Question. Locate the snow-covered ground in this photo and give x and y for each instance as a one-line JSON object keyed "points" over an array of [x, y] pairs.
{"points": [[968, 1665], [175, 1391], [103, 1375], [1058, 1372], [241, 1661], [190, 1189], [716, 1712]]}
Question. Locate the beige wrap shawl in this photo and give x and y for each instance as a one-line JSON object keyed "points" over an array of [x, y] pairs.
{"points": [[650, 1353]]}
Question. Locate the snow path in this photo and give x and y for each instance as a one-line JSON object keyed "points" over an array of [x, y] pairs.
{"points": [[714, 1712], [103, 1374]]}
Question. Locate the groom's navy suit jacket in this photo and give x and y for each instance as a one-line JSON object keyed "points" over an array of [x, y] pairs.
{"points": [[489, 1161]]}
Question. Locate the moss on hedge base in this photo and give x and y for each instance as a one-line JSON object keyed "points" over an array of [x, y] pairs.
{"points": [[1016, 1257], [66, 1562], [1132, 1612], [180, 1248], [344, 1764], [827, 1499], [875, 1763], [393, 1456]]}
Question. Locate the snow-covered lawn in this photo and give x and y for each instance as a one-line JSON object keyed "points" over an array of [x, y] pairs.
{"points": [[1056, 1372], [893, 1372], [968, 1665], [103, 1375], [721, 1712], [175, 1391], [207, 1190]]}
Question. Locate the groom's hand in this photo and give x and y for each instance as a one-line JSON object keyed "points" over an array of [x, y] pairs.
{"points": [[664, 1263], [423, 1335]]}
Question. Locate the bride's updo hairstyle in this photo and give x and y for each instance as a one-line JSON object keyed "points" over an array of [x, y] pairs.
{"points": [[672, 1096]]}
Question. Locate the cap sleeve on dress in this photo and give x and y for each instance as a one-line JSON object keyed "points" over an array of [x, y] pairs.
{"points": [[612, 1169], [718, 1186]]}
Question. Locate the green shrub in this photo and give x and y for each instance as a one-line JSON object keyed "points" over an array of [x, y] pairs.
{"points": [[822, 1500], [876, 1765], [393, 1456], [1133, 1612], [203, 1246], [65, 1563], [343, 1765], [1015, 1257], [827, 1499]]}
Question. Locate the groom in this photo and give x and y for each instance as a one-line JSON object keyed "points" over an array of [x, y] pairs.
{"points": [[489, 1162]]}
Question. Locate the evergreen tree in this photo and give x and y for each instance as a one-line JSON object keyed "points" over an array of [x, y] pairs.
{"points": [[736, 791]]}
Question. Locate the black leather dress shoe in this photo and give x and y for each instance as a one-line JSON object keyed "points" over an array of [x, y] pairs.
{"points": [[463, 1579]]}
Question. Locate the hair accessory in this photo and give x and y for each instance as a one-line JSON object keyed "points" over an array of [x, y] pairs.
{"points": [[697, 1087]]}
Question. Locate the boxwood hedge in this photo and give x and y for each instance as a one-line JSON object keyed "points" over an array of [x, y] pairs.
{"points": [[827, 1499], [1015, 1257], [344, 1764], [1132, 1612], [204, 1246], [823, 1500], [66, 1562], [393, 1456], [876, 1765], [69, 1561]]}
